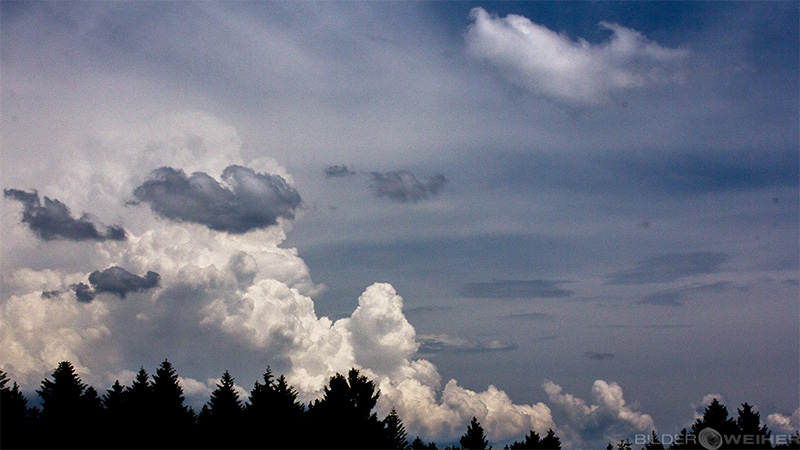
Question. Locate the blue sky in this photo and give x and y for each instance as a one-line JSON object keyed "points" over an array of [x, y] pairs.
{"points": [[574, 200]]}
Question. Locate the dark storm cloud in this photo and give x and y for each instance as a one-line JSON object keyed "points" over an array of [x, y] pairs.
{"points": [[247, 200], [599, 356], [444, 343], [50, 294], [515, 289], [403, 187], [83, 292], [340, 171], [670, 267], [53, 220], [114, 280]]}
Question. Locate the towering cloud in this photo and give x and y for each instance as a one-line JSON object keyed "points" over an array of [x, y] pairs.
{"points": [[53, 220], [243, 201], [552, 65], [403, 187]]}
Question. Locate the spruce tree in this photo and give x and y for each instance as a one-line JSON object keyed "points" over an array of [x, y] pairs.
{"points": [[139, 412], [654, 443], [395, 431], [273, 407], [474, 438], [16, 420], [550, 441], [222, 414], [172, 418], [753, 434], [63, 407]]}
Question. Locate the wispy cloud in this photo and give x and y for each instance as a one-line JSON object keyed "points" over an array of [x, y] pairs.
{"points": [[598, 356], [403, 187], [508, 289], [675, 297], [438, 343], [670, 267], [53, 220]]}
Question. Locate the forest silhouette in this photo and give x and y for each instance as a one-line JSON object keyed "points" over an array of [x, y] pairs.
{"points": [[151, 413]]}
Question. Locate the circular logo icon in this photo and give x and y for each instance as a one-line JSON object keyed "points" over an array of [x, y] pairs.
{"points": [[710, 438]]}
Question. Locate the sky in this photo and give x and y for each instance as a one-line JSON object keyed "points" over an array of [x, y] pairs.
{"points": [[572, 215]]}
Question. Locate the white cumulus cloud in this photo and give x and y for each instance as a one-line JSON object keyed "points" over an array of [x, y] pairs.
{"points": [[553, 65]]}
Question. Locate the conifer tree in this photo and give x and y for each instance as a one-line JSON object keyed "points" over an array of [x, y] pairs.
{"points": [[395, 431], [551, 441], [753, 434], [273, 407], [63, 407], [222, 414], [474, 438], [138, 401], [172, 418], [654, 443], [16, 419], [421, 445]]}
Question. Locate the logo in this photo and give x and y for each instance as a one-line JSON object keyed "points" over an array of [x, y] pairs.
{"points": [[710, 438]]}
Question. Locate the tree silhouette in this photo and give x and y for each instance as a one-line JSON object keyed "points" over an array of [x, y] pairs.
{"points": [[172, 419], [344, 417], [395, 431], [753, 434], [419, 444], [474, 438], [138, 401], [654, 443], [222, 414], [64, 407], [16, 420], [273, 408]]}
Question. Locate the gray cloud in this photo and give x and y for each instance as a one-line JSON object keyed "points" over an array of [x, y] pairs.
{"points": [[529, 316], [670, 267], [444, 343], [403, 187], [339, 171], [515, 289], [50, 294], [598, 356], [115, 280], [53, 221], [245, 200], [675, 297]]}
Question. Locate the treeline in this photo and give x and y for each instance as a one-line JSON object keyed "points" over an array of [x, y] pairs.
{"points": [[151, 413]]}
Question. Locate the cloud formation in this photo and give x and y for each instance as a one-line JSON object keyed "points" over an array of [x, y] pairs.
{"points": [[115, 280], [403, 187], [437, 343], [670, 267], [243, 201], [53, 220], [552, 65], [503, 289], [339, 171]]}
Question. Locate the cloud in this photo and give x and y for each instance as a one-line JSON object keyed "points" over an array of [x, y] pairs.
{"points": [[670, 267], [53, 220], [674, 297], [339, 171], [552, 65], [515, 289], [115, 280], [608, 419], [529, 316], [403, 187], [784, 424], [436, 343], [245, 200], [598, 356]]}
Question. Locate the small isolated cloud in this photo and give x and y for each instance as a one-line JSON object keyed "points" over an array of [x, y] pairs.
{"points": [[515, 289], [403, 187], [670, 267], [339, 171], [553, 65], [244, 200], [598, 356], [529, 316], [675, 297], [53, 221], [115, 280], [439, 343]]}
